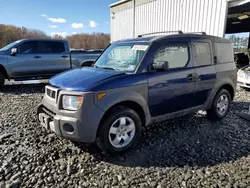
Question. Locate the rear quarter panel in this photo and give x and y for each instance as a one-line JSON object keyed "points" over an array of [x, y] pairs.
{"points": [[226, 74]]}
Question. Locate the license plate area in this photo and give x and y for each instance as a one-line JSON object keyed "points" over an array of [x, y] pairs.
{"points": [[44, 120]]}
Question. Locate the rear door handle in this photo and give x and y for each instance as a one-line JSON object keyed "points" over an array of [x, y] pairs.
{"points": [[64, 56], [192, 77], [37, 56]]}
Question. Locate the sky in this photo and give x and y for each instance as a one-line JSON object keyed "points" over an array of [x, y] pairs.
{"points": [[65, 17]]}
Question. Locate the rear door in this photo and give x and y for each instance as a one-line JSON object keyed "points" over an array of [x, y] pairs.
{"points": [[205, 70], [55, 57], [172, 90]]}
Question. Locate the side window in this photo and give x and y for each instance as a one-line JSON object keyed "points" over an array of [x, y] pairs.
{"points": [[51, 47], [177, 56], [27, 48], [202, 53], [55, 47], [224, 52]]}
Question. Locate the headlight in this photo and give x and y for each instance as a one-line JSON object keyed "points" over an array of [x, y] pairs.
{"points": [[241, 73], [71, 102]]}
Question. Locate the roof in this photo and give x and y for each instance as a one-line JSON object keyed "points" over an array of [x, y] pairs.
{"points": [[232, 3], [187, 35], [42, 39]]}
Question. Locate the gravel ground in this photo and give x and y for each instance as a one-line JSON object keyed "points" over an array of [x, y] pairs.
{"points": [[186, 152]]}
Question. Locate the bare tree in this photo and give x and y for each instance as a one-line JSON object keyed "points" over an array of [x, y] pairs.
{"points": [[10, 33]]}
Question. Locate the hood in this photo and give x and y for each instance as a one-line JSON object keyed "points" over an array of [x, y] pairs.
{"points": [[82, 79]]}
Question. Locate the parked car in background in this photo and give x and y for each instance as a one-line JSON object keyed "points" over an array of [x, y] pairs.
{"points": [[241, 60], [41, 58], [137, 82], [243, 78]]}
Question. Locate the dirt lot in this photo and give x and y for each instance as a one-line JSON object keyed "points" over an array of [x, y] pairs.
{"points": [[187, 152]]}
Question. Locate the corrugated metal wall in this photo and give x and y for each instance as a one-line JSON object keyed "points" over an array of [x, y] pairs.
{"points": [[166, 15], [122, 23]]}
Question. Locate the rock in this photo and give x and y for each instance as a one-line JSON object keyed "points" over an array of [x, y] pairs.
{"points": [[85, 184], [4, 136], [2, 184], [15, 184], [153, 184], [183, 183], [119, 177], [16, 176]]}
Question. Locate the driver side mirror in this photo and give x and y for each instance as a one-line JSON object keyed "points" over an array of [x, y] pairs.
{"points": [[13, 51], [160, 66]]}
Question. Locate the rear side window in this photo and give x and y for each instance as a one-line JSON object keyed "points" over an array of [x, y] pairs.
{"points": [[177, 56], [203, 53], [51, 47], [224, 52], [27, 48]]}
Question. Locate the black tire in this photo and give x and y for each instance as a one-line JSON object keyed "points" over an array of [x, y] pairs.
{"points": [[103, 132], [213, 113], [2, 79]]}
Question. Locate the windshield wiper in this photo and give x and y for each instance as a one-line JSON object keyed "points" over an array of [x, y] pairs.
{"points": [[110, 68]]}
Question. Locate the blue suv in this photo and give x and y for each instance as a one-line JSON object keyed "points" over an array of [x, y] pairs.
{"points": [[138, 82]]}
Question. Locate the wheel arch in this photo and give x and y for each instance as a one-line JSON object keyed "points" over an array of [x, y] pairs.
{"points": [[3, 70], [229, 88], [129, 104]]}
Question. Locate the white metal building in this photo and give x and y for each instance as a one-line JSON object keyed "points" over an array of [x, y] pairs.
{"points": [[130, 18]]}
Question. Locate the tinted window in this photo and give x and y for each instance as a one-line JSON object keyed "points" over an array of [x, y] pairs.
{"points": [[202, 53], [51, 47], [177, 56], [224, 52], [27, 48]]}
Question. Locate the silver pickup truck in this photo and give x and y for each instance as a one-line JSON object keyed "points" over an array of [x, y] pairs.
{"points": [[41, 59]]}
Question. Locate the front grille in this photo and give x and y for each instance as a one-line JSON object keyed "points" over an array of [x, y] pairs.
{"points": [[240, 83], [51, 92]]}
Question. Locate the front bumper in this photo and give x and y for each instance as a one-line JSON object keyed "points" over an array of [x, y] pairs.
{"points": [[81, 125]]}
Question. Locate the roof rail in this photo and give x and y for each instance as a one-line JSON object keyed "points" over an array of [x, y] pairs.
{"points": [[202, 32], [179, 32]]}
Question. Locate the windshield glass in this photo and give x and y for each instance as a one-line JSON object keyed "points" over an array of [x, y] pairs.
{"points": [[7, 47], [122, 57]]}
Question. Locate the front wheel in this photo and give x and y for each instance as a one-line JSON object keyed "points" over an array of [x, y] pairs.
{"points": [[120, 131], [2, 79], [220, 106]]}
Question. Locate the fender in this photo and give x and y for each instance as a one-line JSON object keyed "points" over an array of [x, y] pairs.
{"points": [[3, 70], [137, 94]]}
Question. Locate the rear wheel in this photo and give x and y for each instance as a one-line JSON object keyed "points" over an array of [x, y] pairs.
{"points": [[120, 131], [220, 106], [2, 79]]}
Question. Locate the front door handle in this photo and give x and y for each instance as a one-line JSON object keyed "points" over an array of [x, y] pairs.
{"points": [[192, 77], [37, 56], [64, 56]]}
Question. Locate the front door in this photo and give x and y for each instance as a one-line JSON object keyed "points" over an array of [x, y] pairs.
{"points": [[172, 90], [26, 60]]}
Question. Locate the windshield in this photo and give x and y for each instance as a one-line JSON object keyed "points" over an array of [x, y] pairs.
{"points": [[7, 47], [122, 57]]}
